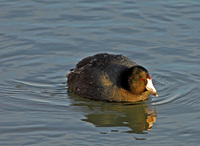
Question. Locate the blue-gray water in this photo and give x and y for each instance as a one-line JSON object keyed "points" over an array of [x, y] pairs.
{"points": [[40, 41]]}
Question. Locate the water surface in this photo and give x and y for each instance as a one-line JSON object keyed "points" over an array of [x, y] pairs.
{"points": [[40, 41]]}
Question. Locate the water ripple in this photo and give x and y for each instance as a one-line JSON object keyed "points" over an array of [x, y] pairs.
{"points": [[176, 87], [39, 92]]}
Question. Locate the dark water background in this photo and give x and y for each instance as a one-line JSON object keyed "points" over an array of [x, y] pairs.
{"points": [[40, 41]]}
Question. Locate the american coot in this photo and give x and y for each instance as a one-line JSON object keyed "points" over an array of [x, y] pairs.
{"points": [[112, 78]]}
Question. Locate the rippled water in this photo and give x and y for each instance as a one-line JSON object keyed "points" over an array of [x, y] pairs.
{"points": [[40, 41]]}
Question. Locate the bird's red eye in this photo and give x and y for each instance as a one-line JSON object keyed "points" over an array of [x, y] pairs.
{"points": [[142, 79]]}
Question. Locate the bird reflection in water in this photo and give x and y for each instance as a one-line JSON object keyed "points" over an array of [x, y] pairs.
{"points": [[138, 118]]}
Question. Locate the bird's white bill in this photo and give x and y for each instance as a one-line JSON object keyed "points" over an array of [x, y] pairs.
{"points": [[150, 87]]}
